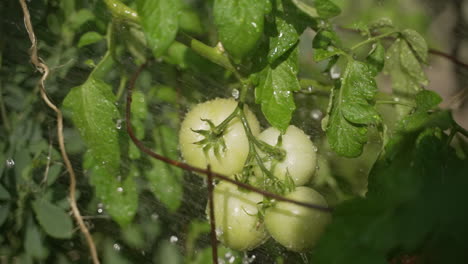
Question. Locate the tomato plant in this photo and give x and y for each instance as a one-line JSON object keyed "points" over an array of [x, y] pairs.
{"points": [[132, 131]]}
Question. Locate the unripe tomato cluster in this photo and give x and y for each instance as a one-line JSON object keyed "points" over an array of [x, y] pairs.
{"points": [[213, 134]]}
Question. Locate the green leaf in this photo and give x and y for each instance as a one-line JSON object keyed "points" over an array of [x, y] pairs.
{"points": [[402, 83], [275, 91], [240, 24], [376, 58], [306, 8], [325, 45], [421, 118], [118, 194], [4, 194], [411, 65], [326, 8], [33, 242], [285, 38], [166, 180], [89, 38], [410, 207], [95, 115], [426, 100], [80, 18], [4, 212], [417, 43], [288, 23], [160, 22], [53, 219], [352, 111], [358, 87], [167, 253], [190, 22]]}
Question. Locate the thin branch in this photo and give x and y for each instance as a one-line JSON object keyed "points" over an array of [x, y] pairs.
{"points": [[44, 70], [449, 57], [187, 167], [214, 241]]}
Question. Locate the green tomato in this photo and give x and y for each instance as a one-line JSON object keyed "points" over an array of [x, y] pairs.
{"points": [[301, 157], [238, 225], [296, 227], [233, 154]]}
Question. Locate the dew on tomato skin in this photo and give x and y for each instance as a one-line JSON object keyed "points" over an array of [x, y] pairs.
{"points": [[10, 163]]}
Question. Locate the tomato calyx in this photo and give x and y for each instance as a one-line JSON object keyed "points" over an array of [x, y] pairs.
{"points": [[214, 136], [213, 139]]}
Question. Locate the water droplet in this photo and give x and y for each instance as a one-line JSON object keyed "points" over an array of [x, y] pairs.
{"points": [[219, 232], [315, 149], [117, 247], [10, 163], [173, 239], [335, 72], [154, 216], [316, 114], [100, 208], [118, 124], [247, 259], [235, 93]]}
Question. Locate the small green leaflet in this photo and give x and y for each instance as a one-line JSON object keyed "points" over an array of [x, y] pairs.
{"points": [[326, 8], [34, 244], [325, 45], [352, 110], [417, 43], [239, 24], [160, 22], [53, 219], [421, 117], [404, 68], [89, 38], [376, 58], [95, 115], [318, 8], [288, 24], [275, 91], [285, 38]]}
